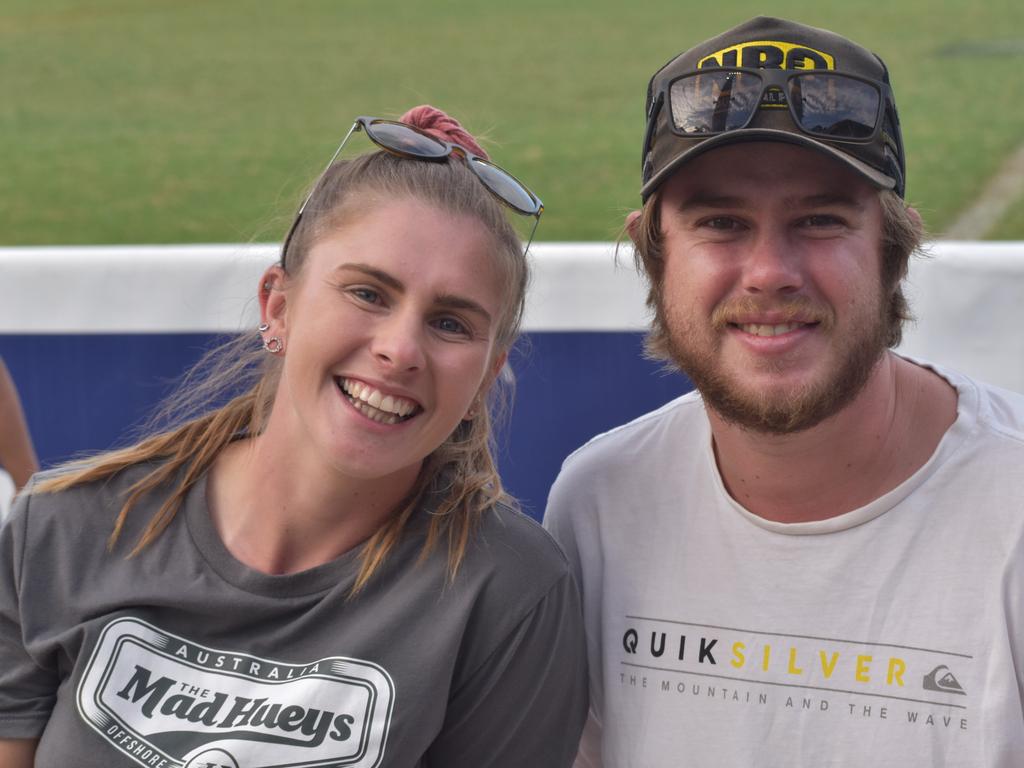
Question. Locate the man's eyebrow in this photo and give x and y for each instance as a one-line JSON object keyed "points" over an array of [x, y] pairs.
{"points": [[829, 199], [709, 200]]}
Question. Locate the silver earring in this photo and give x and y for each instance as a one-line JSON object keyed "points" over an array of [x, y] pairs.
{"points": [[273, 345], [264, 327]]}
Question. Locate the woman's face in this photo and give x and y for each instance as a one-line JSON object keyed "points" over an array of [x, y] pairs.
{"points": [[389, 339]]}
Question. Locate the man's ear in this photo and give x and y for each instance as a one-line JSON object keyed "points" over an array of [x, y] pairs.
{"points": [[916, 216], [272, 299], [633, 225]]}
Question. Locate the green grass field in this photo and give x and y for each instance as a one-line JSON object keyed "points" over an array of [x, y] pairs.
{"points": [[166, 121]]}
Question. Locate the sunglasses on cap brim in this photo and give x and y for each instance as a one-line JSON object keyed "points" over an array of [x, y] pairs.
{"points": [[411, 142], [826, 105]]}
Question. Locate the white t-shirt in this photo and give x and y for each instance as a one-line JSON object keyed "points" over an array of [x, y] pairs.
{"points": [[892, 635]]}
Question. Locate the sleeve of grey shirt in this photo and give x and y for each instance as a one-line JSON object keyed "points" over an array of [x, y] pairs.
{"points": [[27, 690], [525, 706]]}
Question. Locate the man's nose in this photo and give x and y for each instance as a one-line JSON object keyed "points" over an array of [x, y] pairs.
{"points": [[772, 265]]}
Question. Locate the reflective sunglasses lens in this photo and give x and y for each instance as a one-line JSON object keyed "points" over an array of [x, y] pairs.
{"points": [[405, 140], [834, 106], [505, 187], [714, 101]]}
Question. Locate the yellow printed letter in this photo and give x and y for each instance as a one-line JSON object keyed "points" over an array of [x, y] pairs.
{"points": [[896, 669], [793, 668], [861, 675], [737, 655], [828, 667]]}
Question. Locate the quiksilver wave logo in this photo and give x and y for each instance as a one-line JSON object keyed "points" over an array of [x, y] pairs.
{"points": [[167, 702]]}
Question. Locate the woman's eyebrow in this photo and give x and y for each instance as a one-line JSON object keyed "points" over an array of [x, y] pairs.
{"points": [[453, 301], [447, 300], [387, 279]]}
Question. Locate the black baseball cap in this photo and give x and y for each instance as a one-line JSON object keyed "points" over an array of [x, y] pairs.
{"points": [[830, 69]]}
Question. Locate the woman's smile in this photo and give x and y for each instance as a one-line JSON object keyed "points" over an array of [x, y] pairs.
{"points": [[376, 404]]}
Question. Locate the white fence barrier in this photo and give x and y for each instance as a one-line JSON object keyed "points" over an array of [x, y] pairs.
{"points": [[968, 296]]}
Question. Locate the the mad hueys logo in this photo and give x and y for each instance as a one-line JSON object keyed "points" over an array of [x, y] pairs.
{"points": [[169, 703]]}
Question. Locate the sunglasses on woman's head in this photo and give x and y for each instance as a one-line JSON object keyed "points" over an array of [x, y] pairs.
{"points": [[412, 142]]}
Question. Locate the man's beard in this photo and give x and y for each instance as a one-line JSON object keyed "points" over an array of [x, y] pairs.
{"points": [[795, 410]]}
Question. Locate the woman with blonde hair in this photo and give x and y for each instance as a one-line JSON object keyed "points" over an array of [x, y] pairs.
{"points": [[323, 571]]}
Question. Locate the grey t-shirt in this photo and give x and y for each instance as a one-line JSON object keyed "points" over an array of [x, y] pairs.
{"points": [[183, 656]]}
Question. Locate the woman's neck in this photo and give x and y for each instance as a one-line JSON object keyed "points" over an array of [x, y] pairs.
{"points": [[278, 512]]}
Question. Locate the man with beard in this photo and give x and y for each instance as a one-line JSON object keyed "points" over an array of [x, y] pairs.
{"points": [[815, 558]]}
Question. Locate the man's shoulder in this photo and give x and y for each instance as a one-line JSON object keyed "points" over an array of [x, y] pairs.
{"points": [[1004, 412], [998, 412]]}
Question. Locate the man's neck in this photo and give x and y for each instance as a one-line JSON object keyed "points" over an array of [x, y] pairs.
{"points": [[865, 450]]}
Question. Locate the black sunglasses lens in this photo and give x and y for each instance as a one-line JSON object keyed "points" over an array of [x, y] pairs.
{"points": [[714, 101], [405, 140], [834, 106], [505, 187]]}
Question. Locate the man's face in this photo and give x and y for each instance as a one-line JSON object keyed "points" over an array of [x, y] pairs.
{"points": [[772, 294]]}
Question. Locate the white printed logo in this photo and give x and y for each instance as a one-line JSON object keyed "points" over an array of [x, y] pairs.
{"points": [[169, 703]]}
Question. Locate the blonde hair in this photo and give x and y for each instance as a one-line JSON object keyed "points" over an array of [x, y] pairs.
{"points": [[902, 235], [188, 433]]}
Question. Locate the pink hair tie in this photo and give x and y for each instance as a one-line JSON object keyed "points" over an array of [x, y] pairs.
{"points": [[437, 123]]}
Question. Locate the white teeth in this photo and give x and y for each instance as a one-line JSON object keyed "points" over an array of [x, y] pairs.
{"points": [[757, 329], [376, 415], [387, 409]]}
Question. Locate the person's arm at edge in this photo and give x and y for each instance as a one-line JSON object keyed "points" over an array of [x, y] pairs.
{"points": [[589, 755], [17, 753], [17, 455]]}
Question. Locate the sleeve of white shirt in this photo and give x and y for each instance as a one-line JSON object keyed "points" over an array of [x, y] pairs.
{"points": [[567, 518]]}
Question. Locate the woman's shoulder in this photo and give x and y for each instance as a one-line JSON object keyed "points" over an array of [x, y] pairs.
{"points": [[514, 582], [516, 552], [45, 501]]}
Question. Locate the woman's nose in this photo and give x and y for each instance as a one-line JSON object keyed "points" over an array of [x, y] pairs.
{"points": [[398, 342]]}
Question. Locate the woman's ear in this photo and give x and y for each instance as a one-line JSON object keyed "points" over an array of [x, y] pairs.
{"points": [[485, 386], [272, 300], [495, 372]]}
